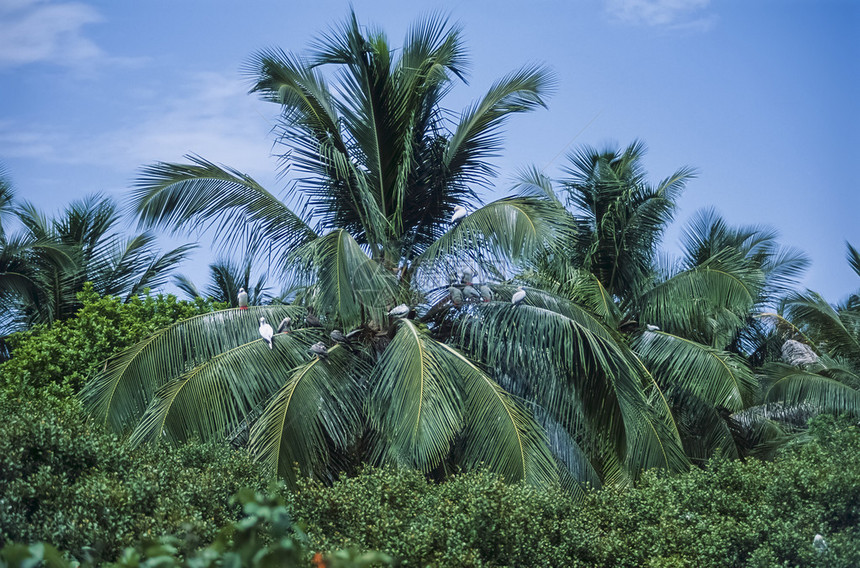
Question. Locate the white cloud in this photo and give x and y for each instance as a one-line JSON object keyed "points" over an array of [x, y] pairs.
{"points": [[673, 14], [38, 31], [211, 115]]}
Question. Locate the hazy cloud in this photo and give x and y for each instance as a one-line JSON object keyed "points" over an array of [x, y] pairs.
{"points": [[673, 14], [211, 115], [38, 31]]}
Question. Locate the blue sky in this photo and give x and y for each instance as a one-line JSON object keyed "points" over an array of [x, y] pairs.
{"points": [[760, 96]]}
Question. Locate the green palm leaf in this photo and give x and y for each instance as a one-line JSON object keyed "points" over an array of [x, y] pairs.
{"points": [[793, 386], [187, 197], [718, 377], [318, 405], [215, 397], [120, 395], [415, 401]]}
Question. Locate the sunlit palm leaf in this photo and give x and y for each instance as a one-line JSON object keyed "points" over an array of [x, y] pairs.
{"points": [[510, 228], [200, 194], [415, 401]]}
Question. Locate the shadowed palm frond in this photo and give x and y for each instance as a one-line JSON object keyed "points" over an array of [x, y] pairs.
{"points": [[120, 394], [214, 397], [318, 406]]}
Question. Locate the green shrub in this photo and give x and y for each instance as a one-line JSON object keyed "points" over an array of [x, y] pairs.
{"points": [[56, 360], [67, 483], [730, 513]]}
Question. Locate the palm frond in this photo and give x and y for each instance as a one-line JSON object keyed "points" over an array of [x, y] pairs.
{"points": [[120, 394], [214, 397], [200, 194], [794, 386], [415, 402], [318, 405], [718, 377]]}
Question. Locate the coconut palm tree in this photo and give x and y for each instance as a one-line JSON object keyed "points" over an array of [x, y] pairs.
{"points": [[382, 167], [43, 266], [226, 277], [830, 381]]}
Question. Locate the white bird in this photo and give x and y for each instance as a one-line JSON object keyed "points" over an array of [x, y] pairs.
{"points": [[266, 331], [286, 325], [819, 543], [242, 299], [459, 214], [652, 327], [399, 311], [319, 349], [486, 293], [519, 296]]}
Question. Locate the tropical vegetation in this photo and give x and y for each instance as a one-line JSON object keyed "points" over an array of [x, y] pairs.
{"points": [[432, 373]]}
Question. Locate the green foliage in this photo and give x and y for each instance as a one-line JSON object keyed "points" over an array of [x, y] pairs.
{"points": [[57, 359], [265, 537], [67, 483], [731, 513]]}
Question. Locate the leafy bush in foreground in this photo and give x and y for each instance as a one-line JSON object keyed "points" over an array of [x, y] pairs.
{"points": [[56, 360], [265, 537], [67, 483], [731, 513]]}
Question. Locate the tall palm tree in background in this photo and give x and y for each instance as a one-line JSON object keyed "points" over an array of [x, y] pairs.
{"points": [[382, 168], [45, 264], [226, 278], [829, 381]]}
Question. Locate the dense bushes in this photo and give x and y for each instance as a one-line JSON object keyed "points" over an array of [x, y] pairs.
{"points": [[731, 513], [56, 360], [66, 483]]}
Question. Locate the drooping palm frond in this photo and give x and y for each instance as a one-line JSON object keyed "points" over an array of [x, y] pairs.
{"points": [[718, 378], [343, 280], [571, 363], [507, 229], [318, 406], [200, 195], [120, 395], [416, 399], [821, 387], [213, 398], [837, 332]]}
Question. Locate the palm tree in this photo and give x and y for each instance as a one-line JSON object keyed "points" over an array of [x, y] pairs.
{"points": [[44, 266], [225, 279], [831, 383], [383, 167]]}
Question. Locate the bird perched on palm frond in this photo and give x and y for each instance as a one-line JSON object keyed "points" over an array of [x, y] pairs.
{"points": [[486, 293], [286, 325], [266, 331], [466, 277], [319, 349], [470, 294], [399, 311], [311, 319], [455, 293], [519, 296], [242, 299], [346, 340], [459, 214], [819, 543], [652, 327]]}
